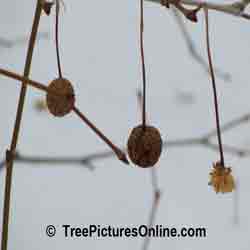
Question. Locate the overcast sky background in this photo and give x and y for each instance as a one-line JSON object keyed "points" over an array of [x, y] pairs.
{"points": [[99, 44]]}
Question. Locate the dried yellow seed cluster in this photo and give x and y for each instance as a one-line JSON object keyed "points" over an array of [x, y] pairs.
{"points": [[221, 179]]}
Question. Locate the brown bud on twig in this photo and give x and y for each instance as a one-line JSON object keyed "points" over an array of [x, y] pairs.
{"points": [[121, 156], [165, 3], [47, 7], [144, 146], [192, 14], [9, 155], [189, 14]]}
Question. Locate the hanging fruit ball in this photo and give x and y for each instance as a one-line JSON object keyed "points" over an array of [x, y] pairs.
{"points": [[144, 146], [60, 97]]}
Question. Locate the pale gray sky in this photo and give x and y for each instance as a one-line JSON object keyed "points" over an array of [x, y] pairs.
{"points": [[100, 55]]}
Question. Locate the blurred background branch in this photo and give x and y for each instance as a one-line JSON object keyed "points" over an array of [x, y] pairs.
{"points": [[193, 51], [6, 43], [236, 9], [203, 140]]}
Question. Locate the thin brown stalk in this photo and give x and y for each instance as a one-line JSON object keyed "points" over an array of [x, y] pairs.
{"points": [[25, 80], [57, 40], [11, 152], [155, 188], [192, 48], [143, 64], [99, 156], [214, 87], [230, 125]]}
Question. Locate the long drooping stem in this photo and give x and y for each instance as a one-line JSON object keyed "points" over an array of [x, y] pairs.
{"points": [[57, 40], [10, 153], [214, 88], [143, 64]]}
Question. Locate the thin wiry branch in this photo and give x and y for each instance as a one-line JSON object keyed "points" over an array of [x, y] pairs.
{"points": [[11, 43], [204, 141], [230, 125], [228, 149], [192, 50], [82, 161], [152, 216], [55, 160], [236, 9], [154, 183], [11, 152]]}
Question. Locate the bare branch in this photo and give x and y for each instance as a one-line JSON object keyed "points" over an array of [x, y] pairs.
{"points": [[10, 43], [192, 50], [204, 140], [227, 149], [83, 161], [154, 183], [231, 9], [151, 220], [230, 125]]}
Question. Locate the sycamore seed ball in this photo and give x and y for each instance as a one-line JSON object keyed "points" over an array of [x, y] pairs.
{"points": [[144, 146], [61, 99]]}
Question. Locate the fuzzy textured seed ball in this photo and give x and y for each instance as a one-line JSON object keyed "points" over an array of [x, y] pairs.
{"points": [[144, 146], [221, 179], [61, 104]]}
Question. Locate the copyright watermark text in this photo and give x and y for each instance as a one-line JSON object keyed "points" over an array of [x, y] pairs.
{"points": [[100, 231]]}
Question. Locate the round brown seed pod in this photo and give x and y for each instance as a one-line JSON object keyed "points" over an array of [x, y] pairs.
{"points": [[60, 97], [144, 146]]}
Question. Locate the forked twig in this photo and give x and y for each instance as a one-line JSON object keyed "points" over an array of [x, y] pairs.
{"points": [[236, 9]]}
